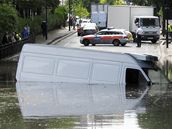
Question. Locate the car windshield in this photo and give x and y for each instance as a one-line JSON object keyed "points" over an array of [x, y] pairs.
{"points": [[149, 22]]}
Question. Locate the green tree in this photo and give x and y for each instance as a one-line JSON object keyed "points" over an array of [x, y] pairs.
{"points": [[9, 18], [80, 10], [119, 2], [139, 2], [113, 2], [28, 8], [86, 4], [61, 12], [103, 1]]}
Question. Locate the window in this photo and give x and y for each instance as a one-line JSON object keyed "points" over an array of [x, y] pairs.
{"points": [[135, 77], [68, 68], [149, 22], [108, 76], [117, 33], [136, 83], [101, 33]]}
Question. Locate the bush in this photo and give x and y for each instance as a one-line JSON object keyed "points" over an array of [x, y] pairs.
{"points": [[9, 19], [35, 24], [61, 13], [11, 22]]}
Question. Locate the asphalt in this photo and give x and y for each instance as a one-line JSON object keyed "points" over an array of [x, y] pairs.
{"points": [[59, 34], [55, 35]]}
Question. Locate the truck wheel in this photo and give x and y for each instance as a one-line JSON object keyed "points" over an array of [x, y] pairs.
{"points": [[116, 42], [154, 41], [86, 42]]}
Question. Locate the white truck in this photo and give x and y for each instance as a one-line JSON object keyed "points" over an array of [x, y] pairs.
{"points": [[99, 15], [133, 17]]}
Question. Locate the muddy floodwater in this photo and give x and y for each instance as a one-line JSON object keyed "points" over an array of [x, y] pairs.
{"points": [[81, 106]]}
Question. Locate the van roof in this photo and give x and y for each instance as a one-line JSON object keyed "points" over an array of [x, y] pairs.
{"points": [[82, 53]]}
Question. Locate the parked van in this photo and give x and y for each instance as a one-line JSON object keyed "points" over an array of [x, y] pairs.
{"points": [[49, 63]]}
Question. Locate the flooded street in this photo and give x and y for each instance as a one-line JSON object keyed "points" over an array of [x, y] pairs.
{"points": [[81, 106]]}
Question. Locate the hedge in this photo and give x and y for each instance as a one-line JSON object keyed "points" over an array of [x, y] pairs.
{"points": [[9, 19], [11, 22], [55, 20]]}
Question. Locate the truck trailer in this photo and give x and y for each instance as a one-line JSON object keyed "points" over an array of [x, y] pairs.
{"points": [[99, 15], [133, 17]]}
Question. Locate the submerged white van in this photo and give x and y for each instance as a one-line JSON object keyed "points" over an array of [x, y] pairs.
{"points": [[49, 63]]}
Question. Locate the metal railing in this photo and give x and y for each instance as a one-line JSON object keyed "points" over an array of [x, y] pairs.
{"points": [[12, 48]]}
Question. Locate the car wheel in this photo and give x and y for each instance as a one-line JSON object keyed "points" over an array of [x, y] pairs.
{"points": [[116, 42], [86, 42], [93, 44], [123, 44]]}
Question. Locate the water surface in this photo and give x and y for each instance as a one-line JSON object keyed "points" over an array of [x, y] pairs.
{"points": [[80, 106]]}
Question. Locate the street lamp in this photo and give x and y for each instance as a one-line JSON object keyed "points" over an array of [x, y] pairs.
{"points": [[166, 11], [46, 19], [69, 14], [165, 19]]}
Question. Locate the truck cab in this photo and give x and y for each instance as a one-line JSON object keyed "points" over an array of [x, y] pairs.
{"points": [[150, 27]]}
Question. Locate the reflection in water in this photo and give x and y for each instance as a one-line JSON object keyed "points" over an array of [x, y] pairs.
{"points": [[158, 109], [90, 106], [43, 99], [7, 71], [120, 107], [167, 68], [153, 111], [10, 115]]}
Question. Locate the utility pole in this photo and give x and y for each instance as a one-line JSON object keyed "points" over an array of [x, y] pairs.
{"points": [[46, 19], [166, 13], [163, 19], [69, 14], [167, 27]]}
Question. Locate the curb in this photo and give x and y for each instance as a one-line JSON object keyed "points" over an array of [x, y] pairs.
{"points": [[60, 38]]}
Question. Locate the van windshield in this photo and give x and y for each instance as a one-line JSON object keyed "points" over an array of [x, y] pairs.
{"points": [[149, 22], [135, 77]]}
